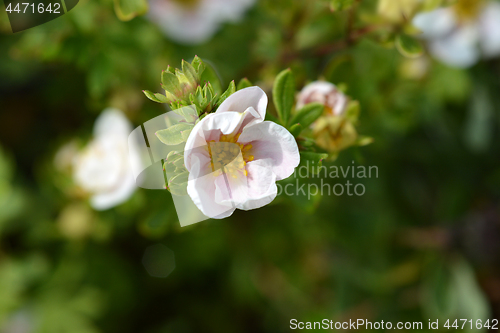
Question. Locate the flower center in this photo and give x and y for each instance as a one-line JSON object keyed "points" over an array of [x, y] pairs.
{"points": [[468, 9], [225, 155]]}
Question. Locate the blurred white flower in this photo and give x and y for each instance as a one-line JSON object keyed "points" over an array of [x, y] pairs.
{"points": [[103, 169], [462, 34], [21, 321], [234, 157], [195, 21], [325, 93]]}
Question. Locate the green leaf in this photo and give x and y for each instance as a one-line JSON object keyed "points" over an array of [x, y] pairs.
{"points": [[185, 134], [171, 162], [169, 81], [352, 111], [152, 96], [128, 9], [190, 72], [308, 114], [317, 158], [230, 90], [480, 121], [188, 113], [336, 5], [178, 183], [364, 141], [312, 160], [296, 129], [284, 94], [162, 98], [244, 83], [210, 75], [198, 65], [174, 134], [409, 46], [272, 118]]}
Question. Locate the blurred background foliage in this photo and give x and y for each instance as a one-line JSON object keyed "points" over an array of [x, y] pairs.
{"points": [[422, 243]]}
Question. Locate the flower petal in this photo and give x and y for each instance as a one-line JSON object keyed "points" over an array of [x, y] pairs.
{"points": [[112, 121], [261, 182], [489, 25], [435, 24], [195, 24], [202, 192], [248, 192], [120, 194], [460, 48], [325, 93], [272, 141], [241, 100], [212, 126]]}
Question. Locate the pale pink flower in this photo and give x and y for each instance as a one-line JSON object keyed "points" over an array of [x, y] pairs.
{"points": [[195, 21], [460, 36], [235, 157], [325, 93], [102, 169]]}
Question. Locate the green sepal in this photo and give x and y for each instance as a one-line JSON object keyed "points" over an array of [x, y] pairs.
{"points": [[152, 96], [229, 91]]}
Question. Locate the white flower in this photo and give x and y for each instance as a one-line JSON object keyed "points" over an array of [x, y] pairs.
{"points": [[325, 93], [460, 36], [195, 21], [235, 157], [102, 169]]}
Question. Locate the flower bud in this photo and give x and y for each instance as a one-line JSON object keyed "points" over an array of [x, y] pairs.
{"points": [[325, 93], [334, 133]]}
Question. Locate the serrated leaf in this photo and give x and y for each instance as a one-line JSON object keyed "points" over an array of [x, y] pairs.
{"points": [[308, 114], [173, 135], [284, 94], [409, 46], [244, 83]]}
